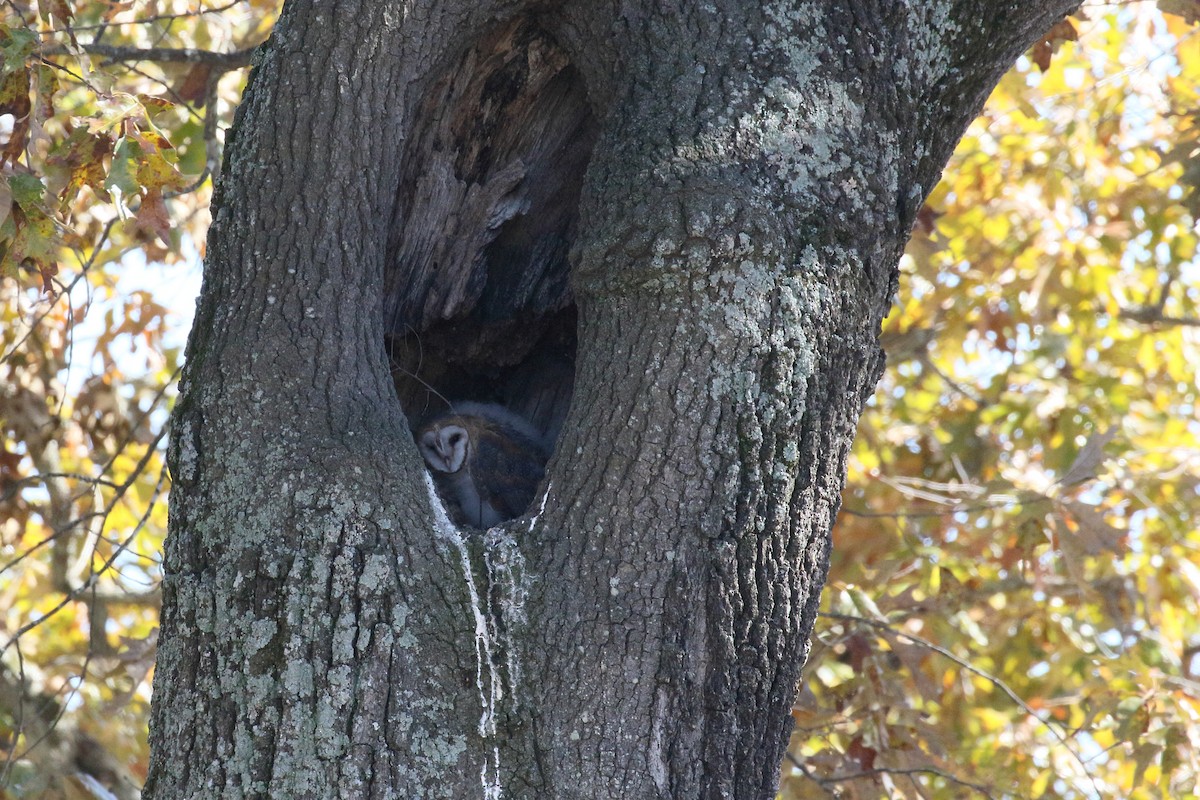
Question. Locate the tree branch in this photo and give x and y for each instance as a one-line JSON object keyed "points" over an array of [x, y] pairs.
{"points": [[147, 20], [186, 55], [1154, 316]]}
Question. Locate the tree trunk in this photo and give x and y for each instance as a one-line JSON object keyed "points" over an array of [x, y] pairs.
{"points": [[752, 173]]}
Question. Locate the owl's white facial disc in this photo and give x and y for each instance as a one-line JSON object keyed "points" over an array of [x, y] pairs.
{"points": [[445, 449]]}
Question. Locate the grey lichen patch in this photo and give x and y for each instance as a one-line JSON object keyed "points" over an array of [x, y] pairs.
{"points": [[749, 289], [444, 750], [791, 453], [187, 456], [262, 631], [801, 130], [345, 634], [298, 678], [204, 614], [331, 710], [799, 300], [400, 615], [260, 691], [306, 497], [346, 506], [376, 573], [934, 32]]}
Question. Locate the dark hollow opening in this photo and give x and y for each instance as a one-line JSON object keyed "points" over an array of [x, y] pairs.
{"points": [[478, 303]]}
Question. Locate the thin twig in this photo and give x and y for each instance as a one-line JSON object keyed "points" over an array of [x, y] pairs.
{"points": [[806, 772], [869, 773], [948, 511], [969, 667], [1151, 316]]}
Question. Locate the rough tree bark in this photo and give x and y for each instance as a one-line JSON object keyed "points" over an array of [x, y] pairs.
{"points": [[733, 243]]}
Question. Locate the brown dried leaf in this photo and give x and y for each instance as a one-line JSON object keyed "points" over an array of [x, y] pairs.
{"points": [[1094, 535], [152, 215], [9, 464], [1189, 10], [926, 219], [1040, 55], [1042, 52], [14, 99], [48, 269], [55, 10], [115, 8], [1089, 458], [860, 752], [194, 86]]}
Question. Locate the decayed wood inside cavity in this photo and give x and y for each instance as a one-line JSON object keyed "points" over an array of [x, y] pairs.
{"points": [[478, 303]]}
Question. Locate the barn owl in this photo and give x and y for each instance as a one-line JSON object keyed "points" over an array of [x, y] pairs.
{"points": [[486, 462]]}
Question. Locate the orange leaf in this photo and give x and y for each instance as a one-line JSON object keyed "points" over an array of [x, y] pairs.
{"points": [[1041, 53]]}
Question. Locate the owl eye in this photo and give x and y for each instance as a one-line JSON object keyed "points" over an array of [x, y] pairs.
{"points": [[455, 438]]}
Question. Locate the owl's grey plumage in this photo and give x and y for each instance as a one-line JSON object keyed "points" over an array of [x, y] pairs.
{"points": [[486, 462]]}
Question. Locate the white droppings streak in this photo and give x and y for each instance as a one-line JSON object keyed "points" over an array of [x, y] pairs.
{"points": [[487, 679], [507, 576], [491, 784], [541, 508]]}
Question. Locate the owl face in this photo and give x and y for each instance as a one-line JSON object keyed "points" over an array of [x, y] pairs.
{"points": [[445, 448], [486, 462]]}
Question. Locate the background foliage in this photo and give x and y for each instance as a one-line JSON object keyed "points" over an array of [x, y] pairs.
{"points": [[1012, 610], [111, 132]]}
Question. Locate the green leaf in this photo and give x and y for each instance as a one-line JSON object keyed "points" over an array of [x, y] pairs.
{"points": [[122, 175], [27, 190], [16, 45]]}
